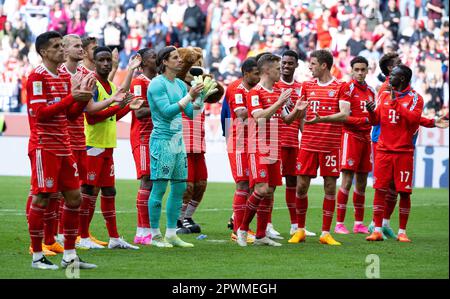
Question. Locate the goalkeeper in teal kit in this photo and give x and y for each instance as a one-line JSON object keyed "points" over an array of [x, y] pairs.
{"points": [[167, 97]]}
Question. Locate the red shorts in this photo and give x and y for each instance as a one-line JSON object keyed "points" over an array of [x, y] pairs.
{"points": [[51, 173], [356, 154], [261, 171], [239, 166], [288, 161], [374, 154], [197, 170], [80, 157], [308, 162], [141, 156], [397, 167], [100, 167]]}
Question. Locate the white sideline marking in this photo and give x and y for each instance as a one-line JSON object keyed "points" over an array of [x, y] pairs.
{"points": [[14, 212]]}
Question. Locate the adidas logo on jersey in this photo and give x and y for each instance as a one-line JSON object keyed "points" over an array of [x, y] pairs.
{"points": [[313, 93]]}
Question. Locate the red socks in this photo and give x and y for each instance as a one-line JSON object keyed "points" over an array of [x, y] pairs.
{"points": [[109, 214], [71, 220], [405, 206], [358, 203], [250, 210], [50, 221], [263, 216], [301, 204], [83, 230], [142, 208], [239, 202], [378, 207], [329, 202], [36, 226], [60, 227], [291, 203], [391, 201], [342, 200]]}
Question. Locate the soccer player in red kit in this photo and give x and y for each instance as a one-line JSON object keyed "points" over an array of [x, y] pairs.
{"points": [[356, 159], [289, 138], [237, 139], [141, 128], [398, 113], [321, 142], [266, 106], [100, 129], [51, 100], [387, 63]]}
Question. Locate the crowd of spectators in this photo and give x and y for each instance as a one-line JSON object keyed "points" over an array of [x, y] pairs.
{"points": [[229, 31]]}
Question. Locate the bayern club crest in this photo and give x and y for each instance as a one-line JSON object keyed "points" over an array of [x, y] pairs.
{"points": [[91, 176], [331, 93], [49, 182], [262, 173], [350, 162], [299, 166]]}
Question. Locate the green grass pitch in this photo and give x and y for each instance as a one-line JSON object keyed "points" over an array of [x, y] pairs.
{"points": [[218, 257]]}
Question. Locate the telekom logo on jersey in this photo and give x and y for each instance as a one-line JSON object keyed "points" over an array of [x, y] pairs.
{"points": [[393, 116]]}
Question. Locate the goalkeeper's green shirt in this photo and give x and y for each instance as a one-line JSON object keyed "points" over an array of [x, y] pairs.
{"points": [[163, 96]]}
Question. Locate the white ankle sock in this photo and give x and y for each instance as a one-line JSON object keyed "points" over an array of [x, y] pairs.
{"points": [[140, 232], [69, 255], [324, 233], [294, 226], [386, 223], [340, 223], [37, 255], [378, 229], [402, 231], [358, 222], [171, 232], [155, 232]]}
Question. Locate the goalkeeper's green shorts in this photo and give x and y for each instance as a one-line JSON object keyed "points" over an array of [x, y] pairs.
{"points": [[168, 159]]}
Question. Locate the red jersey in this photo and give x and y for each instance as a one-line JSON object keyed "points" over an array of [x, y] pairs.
{"points": [[76, 127], [45, 89], [399, 120], [324, 99], [140, 128], [84, 69], [194, 132], [385, 86], [237, 100], [267, 137], [289, 133], [358, 95]]}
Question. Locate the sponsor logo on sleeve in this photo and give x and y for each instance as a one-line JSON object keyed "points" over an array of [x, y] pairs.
{"points": [[255, 101], [37, 88], [238, 99]]}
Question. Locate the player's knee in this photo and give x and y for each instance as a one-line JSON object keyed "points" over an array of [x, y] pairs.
{"points": [[88, 189], [200, 186], [109, 191], [243, 186], [291, 181], [146, 184], [262, 189], [72, 199]]}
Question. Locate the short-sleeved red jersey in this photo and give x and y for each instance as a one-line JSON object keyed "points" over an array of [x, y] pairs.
{"points": [[399, 120], [237, 100], [140, 128], [194, 132], [75, 127], [289, 133], [266, 136], [45, 89], [324, 99], [358, 95]]}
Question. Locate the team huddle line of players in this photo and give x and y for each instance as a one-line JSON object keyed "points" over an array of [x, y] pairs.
{"points": [[73, 108], [268, 108]]}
